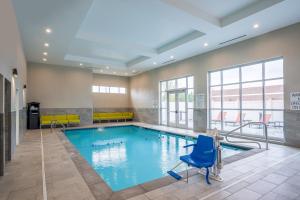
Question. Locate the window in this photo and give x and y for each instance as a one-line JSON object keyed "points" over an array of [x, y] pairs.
{"points": [[172, 84], [181, 83], [95, 89], [106, 90], [114, 90], [246, 93], [252, 72], [122, 90]]}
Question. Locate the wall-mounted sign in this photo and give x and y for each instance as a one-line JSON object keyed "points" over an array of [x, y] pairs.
{"points": [[200, 101], [295, 100]]}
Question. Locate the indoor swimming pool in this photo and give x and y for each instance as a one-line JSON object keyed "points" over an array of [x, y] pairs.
{"points": [[125, 156]]}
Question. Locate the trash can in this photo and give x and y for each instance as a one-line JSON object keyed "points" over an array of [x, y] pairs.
{"points": [[33, 115]]}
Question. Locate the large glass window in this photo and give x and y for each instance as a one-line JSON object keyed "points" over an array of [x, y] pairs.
{"points": [[184, 101], [248, 93]]}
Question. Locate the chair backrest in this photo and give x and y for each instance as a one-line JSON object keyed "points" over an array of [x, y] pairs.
{"points": [[47, 117], [60, 117], [73, 116], [219, 116], [204, 150], [127, 114], [266, 119], [238, 117]]}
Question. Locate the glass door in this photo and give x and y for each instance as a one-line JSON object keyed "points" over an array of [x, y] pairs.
{"points": [[181, 108], [172, 109], [177, 109]]}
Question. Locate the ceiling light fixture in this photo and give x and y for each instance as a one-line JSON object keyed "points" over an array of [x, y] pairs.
{"points": [[171, 57], [48, 30], [44, 59], [255, 26], [115, 72], [80, 64], [205, 44], [46, 44], [154, 63], [45, 54], [133, 71], [107, 67]]}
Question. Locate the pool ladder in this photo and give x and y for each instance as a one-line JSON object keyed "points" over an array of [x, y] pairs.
{"points": [[53, 125], [265, 129]]}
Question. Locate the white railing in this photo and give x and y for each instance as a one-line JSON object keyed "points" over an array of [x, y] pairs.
{"points": [[265, 127], [54, 123]]}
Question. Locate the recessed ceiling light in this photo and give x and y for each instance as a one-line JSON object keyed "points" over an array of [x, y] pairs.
{"points": [[46, 44], [205, 44], [256, 26], [45, 54], [171, 57], [154, 63], [44, 59], [48, 30], [107, 67], [80, 64]]}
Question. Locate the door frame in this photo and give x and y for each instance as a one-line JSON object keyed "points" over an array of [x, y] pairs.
{"points": [[2, 131], [176, 124]]}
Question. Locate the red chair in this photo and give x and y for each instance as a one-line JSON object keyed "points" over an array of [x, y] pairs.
{"points": [[266, 119], [218, 119], [237, 120]]}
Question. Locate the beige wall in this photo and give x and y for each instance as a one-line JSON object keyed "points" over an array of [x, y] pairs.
{"points": [[284, 42], [12, 56], [59, 87], [11, 52], [69, 87], [111, 100]]}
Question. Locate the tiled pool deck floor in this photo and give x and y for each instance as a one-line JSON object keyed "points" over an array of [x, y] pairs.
{"points": [[272, 174]]}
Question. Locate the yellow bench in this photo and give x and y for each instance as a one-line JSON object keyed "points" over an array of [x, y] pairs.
{"points": [[73, 119], [112, 116], [49, 120], [60, 119], [46, 120]]}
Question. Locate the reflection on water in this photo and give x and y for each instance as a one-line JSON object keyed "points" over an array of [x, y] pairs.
{"points": [[111, 155]]}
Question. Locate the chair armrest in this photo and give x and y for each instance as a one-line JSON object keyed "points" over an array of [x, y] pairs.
{"points": [[189, 145]]}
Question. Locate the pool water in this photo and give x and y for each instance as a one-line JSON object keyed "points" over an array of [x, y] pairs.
{"points": [[130, 155]]}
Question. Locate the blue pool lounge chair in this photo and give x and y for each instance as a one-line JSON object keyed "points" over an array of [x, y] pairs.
{"points": [[203, 155]]}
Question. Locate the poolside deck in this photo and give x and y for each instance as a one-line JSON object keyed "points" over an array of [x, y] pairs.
{"points": [[272, 174]]}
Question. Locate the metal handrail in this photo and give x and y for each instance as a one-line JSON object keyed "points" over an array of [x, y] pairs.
{"points": [[55, 123], [64, 127], [257, 123]]}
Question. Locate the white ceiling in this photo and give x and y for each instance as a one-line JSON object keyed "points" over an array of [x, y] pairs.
{"points": [[139, 35]]}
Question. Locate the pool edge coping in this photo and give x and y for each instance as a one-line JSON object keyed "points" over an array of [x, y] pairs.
{"points": [[101, 190]]}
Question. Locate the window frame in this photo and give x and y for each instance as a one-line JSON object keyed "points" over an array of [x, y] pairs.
{"points": [[107, 90], [241, 82]]}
